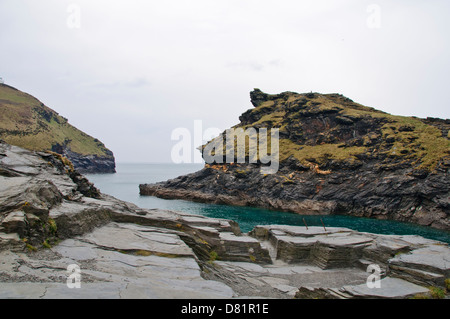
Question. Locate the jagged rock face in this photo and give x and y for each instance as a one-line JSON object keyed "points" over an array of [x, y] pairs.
{"points": [[336, 157], [32, 184], [91, 163]]}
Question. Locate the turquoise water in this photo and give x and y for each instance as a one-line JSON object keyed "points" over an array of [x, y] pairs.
{"points": [[125, 186]]}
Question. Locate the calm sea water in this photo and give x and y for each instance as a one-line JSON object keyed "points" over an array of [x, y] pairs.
{"points": [[125, 185]]}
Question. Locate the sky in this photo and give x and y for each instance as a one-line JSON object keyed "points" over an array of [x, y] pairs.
{"points": [[130, 72]]}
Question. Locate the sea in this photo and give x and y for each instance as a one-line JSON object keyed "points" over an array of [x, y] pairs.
{"points": [[124, 185]]}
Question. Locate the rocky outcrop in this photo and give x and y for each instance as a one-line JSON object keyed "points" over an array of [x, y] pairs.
{"points": [[335, 157], [55, 225], [86, 164], [26, 122]]}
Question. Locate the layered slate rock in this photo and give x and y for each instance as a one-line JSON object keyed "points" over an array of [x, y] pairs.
{"points": [[407, 263], [332, 248], [123, 250], [335, 157], [390, 288], [51, 217], [427, 265], [116, 261]]}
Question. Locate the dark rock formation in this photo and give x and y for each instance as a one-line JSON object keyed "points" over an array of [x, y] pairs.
{"points": [[92, 163], [336, 157]]}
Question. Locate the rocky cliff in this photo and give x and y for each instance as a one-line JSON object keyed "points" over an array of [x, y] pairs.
{"points": [[335, 157], [55, 225], [28, 123]]}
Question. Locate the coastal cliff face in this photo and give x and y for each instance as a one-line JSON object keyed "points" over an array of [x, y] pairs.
{"points": [[335, 157], [26, 122], [53, 220]]}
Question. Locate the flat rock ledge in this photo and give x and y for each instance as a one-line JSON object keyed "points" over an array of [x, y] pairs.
{"points": [[57, 230]]}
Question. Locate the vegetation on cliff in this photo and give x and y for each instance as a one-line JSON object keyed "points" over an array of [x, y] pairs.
{"points": [[26, 122], [335, 157], [322, 128]]}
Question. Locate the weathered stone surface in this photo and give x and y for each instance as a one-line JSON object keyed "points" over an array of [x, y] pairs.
{"points": [[14, 222], [281, 280], [138, 239], [385, 247], [334, 247], [105, 273], [50, 219], [412, 258], [243, 248], [429, 265], [10, 241], [390, 288]]}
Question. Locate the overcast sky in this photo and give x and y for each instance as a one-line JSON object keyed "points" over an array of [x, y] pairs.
{"points": [[129, 72]]}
